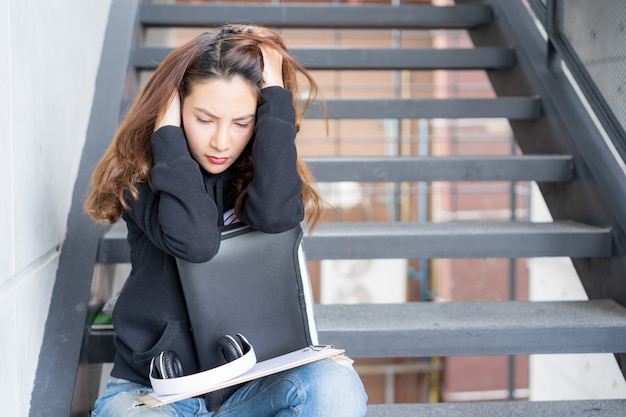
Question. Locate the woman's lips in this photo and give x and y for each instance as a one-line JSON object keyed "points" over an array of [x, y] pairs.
{"points": [[217, 160]]}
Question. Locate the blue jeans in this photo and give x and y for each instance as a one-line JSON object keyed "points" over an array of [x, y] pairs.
{"points": [[322, 388]]}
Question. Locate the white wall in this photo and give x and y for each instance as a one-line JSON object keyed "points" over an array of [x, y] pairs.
{"points": [[49, 55], [573, 376]]}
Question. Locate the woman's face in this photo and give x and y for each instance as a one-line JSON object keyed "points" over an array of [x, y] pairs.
{"points": [[218, 120]]}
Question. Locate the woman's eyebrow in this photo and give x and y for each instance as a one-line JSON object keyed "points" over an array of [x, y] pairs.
{"points": [[245, 117], [206, 112], [209, 114]]}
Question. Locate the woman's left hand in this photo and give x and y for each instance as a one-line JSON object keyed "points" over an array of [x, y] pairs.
{"points": [[273, 66]]}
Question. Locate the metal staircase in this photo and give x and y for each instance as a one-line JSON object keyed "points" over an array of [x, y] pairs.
{"points": [[550, 126]]}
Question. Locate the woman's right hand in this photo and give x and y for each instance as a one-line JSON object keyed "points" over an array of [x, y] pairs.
{"points": [[171, 116]]}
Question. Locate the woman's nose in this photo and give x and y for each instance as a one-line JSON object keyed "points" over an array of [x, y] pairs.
{"points": [[220, 140]]}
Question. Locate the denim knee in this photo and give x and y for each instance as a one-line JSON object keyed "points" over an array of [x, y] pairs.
{"points": [[331, 384], [121, 399], [318, 389]]}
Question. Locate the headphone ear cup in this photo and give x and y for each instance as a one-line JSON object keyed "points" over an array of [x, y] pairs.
{"points": [[243, 343], [230, 348], [167, 365]]}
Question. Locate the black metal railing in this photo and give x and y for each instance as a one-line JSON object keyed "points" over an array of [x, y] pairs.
{"points": [[590, 37]]}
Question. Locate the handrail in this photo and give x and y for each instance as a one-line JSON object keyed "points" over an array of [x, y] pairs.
{"points": [[566, 115], [607, 169], [549, 17]]}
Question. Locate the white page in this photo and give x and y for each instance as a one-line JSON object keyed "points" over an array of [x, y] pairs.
{"points": [[261, 369]]}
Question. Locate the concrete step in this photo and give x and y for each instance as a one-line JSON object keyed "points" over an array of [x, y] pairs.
{"points": [[540, 168], [306, 16], [512, 108], [148, 57], [410, 240], [580, 408], [473, 328], [424, 329]]}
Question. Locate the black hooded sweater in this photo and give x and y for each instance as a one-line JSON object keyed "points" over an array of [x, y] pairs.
{"points": [[178, 216]]}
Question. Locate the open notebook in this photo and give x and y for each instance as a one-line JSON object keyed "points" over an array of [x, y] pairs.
{"points": [[198, 384]]}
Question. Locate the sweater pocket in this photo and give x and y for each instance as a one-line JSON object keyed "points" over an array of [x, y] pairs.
{"points": [[176, 337]]}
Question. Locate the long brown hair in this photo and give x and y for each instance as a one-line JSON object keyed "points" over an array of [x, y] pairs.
{"points": [[232, 51]]}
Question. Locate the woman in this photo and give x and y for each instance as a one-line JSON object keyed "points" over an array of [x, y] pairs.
{"points": [[209, 141]]}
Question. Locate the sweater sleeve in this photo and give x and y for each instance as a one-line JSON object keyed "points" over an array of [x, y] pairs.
{"points": [[176, 212], [274, 201]]}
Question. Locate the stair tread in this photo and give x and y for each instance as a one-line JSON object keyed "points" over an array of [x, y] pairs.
{"points": [[442, 168], [376, 229], [568, 408], [337, 58], [473, 328], [411, 240], [316, 15], [348, 240], [423, 329], [513, 108]]}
